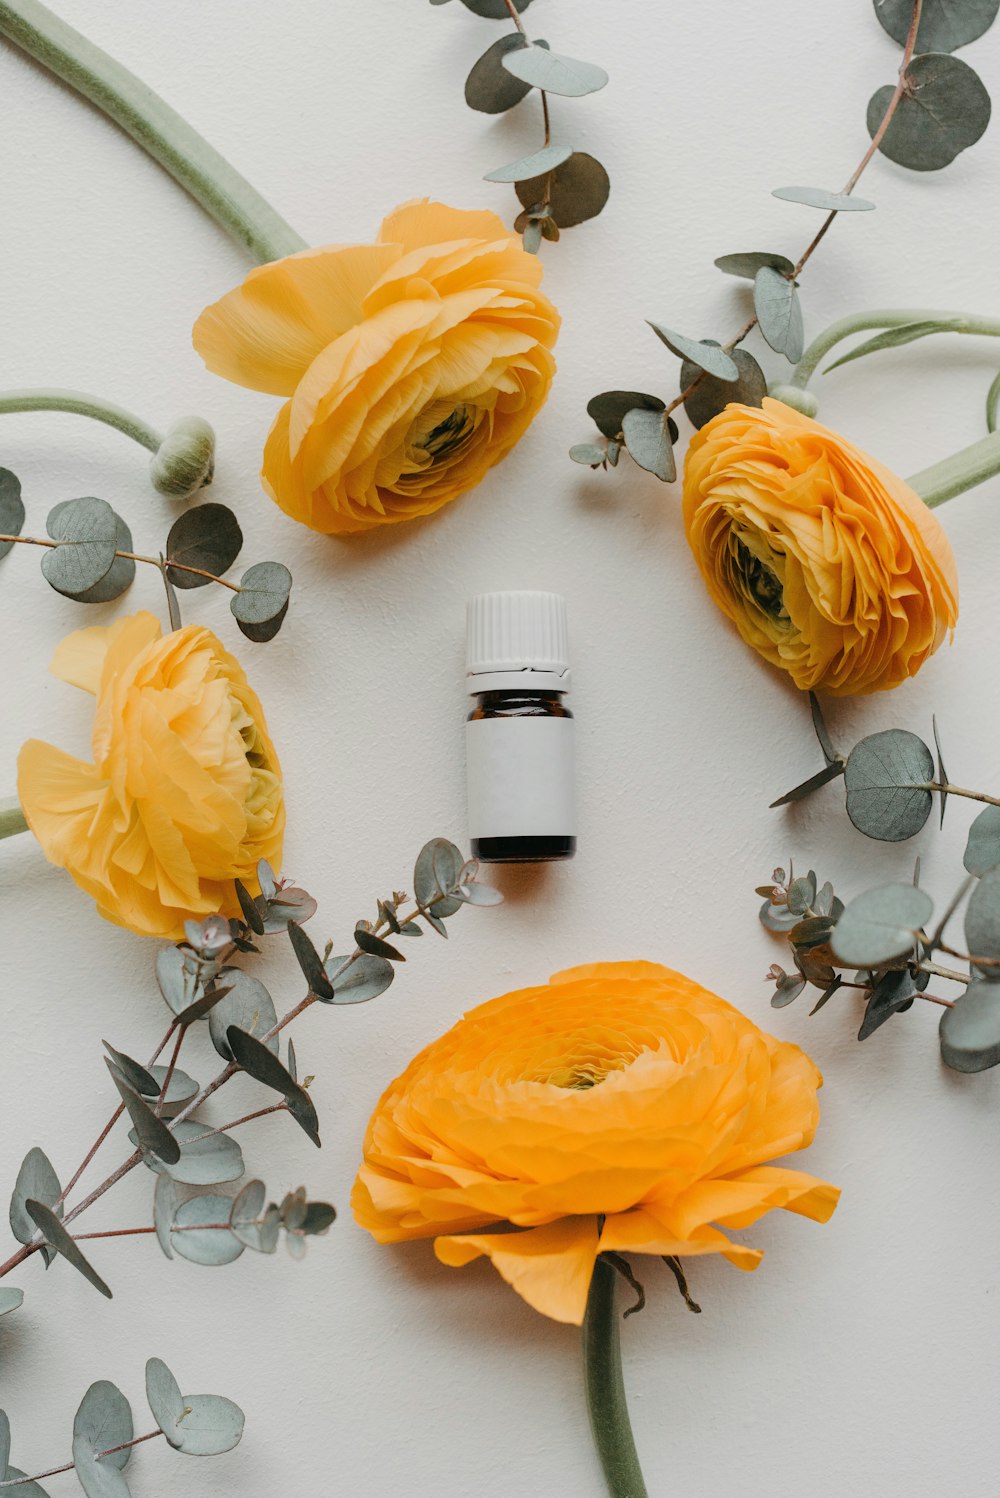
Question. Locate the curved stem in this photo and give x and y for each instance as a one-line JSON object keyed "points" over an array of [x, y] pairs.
{"points": [[83, 405], [160, 130], [942, 481], [886, 317], [992, 402], [12, 818], [609, 1420]]}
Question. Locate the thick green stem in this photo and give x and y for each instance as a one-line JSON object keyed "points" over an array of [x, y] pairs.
{"points": [[168, 138], [12, 818], [886, 317], [602, 1361], [83, 405], [963, 470]]}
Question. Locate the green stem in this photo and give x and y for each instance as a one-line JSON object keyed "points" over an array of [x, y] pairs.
{"points": [[602, 1361], [83, 405], [886, 317], [963, 470], [168, 138], [12, 818]]}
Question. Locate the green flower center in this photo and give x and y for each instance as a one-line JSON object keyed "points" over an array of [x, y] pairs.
{"points": [[759, 582]]}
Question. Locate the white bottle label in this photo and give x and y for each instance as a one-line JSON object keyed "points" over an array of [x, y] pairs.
{"points": [[521, 777]]}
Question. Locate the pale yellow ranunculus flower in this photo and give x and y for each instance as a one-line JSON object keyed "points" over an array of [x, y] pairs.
{"points": [[184, 794], [619, 1107], [410, 366], [829, 565]]}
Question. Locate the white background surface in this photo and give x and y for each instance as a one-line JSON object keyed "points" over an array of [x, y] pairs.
{"points": [[861, 1357]]}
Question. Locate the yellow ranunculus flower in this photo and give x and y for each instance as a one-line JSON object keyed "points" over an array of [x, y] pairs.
{"points": [[411, 365], [184, 795], [619, 1107], [829, 565]]}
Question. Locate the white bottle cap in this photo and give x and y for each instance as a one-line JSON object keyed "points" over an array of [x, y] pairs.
{"points": [[517, 640]]}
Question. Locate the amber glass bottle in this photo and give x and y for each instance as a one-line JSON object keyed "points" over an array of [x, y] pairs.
{"points": [[520, 734]]}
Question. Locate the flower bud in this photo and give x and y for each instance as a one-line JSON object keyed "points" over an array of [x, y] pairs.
{"points": [[185, 459], [793, 395]]}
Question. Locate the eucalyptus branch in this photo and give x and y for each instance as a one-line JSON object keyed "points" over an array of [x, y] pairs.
{"points": [[20, 1482], [130, 556], [89, 556], [198, 984], [847, 190], [556, 186]]}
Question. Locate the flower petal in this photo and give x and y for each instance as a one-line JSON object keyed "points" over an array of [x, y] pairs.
{"points": [[549, 1267], [422, 222], [267, 332]]}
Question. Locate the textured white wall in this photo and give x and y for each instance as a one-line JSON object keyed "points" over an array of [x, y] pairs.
{"points": [[861, 1357]]}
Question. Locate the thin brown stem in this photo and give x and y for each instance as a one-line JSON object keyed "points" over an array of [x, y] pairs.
{"points": [[849, 187], [512, 10], [957, 790], [20, 1482], [942, 972], [171, 1068], [247, 1118], [130, 556]]}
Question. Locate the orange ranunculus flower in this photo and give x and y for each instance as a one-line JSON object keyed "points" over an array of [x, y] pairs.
{"points": [[621, 1106], [829, 565], [184, 795], [411, 366]]}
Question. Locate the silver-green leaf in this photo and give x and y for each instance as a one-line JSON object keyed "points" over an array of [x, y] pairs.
{"points": [[969, 1032], [192, 1236], [554, 73], [539, 162], [887, 778], [944, 24], [779, 312], [103, 1423], [881, 925], [944, 110]]}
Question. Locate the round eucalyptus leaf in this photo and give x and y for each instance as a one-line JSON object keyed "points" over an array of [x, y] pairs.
{"points": [[11, 508], [87, 530], [366, 978], [749, 263], [103, 1423], [10, 1300], [886, 778], [193, 1237], [589, 454], [166, 1200], [710, 396], [982, 851], [538, 163], [181, 977], [554, 73], [288, 904], [121, 574], [609, 409], [944, 24], [982, 926], [248, 1006], [475, 893], [208, 1425], [180, 1092], [970, 1031], [577, 190], [707, 355], [944, 110], [779, 312], [881, 925], [778, 918], [436, 872], [489, 88], [494, 10], [204, 1161], [826, 202], [208, 537], [892, 994], [36, 1181], [163, 1396], [246, 1213], [648, 442], [260, 606]]}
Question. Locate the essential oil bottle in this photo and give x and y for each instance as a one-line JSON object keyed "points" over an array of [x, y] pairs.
{"points": [[520, 734]]}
